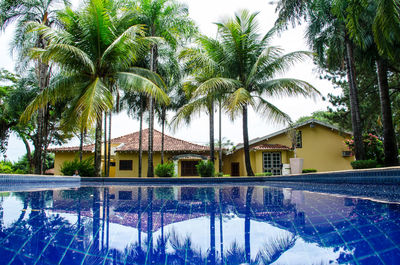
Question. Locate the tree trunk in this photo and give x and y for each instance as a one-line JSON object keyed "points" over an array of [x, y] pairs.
{"points": [[105, 144], [354, 105], [97, 147], [212, 148], [220, 138], [28, 153], [246, 147], [153, 68], [109, 144], [150, 167], [389, 138], [140, 139], [81, 147], [162, 133]]}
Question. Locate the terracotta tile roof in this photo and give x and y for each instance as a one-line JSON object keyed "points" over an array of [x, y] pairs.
{"points": [[130, 142], [270, 147], [86, 148]]}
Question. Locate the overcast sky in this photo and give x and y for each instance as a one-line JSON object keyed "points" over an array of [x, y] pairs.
{"points": [[206, 12]]}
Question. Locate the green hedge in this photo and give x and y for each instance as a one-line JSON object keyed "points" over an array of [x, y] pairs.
{"points": [[263, 174], [85, 168], [309, 170], [205, 169], [165, 170], [360, 164]]}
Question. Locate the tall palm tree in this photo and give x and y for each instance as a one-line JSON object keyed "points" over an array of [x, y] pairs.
{"points": [[327, 36], [254, 64], [43, 12], [167, 19], [363, 20], [206, 73], [97, 47]]}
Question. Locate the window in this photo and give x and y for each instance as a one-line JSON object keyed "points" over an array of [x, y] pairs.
{"points": [[235, 169], [125, 165], [272, 162], [299, 139], [188, 168], [125, 195], [112, 164]]}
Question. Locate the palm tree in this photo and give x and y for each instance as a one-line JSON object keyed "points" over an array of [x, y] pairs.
{"points": [[203, 64], [254, 64], [169, 20], [363, 21], [327, 36], [97, 47], [43, 12]]}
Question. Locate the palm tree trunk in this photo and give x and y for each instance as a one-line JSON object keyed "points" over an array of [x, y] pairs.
{"points": [[220, 138], [246, 147], [105, 144], [354, 105], [81, 146], [109, 145], [150, 167], [212, 148], [389, 139], [162, 133], [97, 147], [140, 139], [153, 68]]}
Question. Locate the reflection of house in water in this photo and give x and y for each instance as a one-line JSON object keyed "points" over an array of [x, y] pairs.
{"points": [[314, 216]]}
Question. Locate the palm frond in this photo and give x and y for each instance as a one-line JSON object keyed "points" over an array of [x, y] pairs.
{"points": [[271, 113], [144, 81]]}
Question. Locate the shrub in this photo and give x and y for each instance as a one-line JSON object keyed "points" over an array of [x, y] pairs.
{"points": [[263, 174], [373, 147], [165, 170], [219, 174], [226, 175], [309, 170], [359, 164], [85, 168], [205, 168], [6, 167]]}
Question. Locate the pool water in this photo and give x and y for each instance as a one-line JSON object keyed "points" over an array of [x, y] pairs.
{"points": [[196, 225]]}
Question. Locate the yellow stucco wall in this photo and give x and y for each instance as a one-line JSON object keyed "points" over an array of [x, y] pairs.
{"points": [[321, 149], [61, 157]]}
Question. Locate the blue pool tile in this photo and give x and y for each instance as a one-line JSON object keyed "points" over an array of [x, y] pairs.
{"points": [[351, 235], [380, 243], [361, 249], [391, 257], [372, 260]]}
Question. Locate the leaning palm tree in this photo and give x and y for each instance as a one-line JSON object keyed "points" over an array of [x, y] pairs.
{"points": [[253, 64], [96, 48]]}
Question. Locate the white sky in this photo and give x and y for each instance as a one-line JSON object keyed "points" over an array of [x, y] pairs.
{"points": [[206, 12]]}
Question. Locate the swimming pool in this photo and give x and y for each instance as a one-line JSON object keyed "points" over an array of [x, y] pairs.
{"points": [[221, 224]]}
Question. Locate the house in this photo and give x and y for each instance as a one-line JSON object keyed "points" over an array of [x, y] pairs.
{"points": [[321, 145], [125, 154]]}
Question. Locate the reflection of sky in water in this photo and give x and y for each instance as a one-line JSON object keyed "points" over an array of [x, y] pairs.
{"points": [[261, 235]]}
